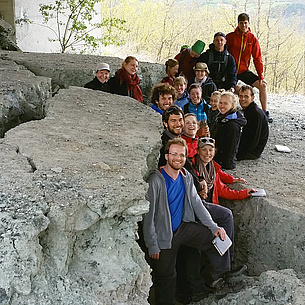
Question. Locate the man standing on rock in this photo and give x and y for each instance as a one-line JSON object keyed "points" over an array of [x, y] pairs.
{"points": [[255, 133], [242, 44], [170, 223], [101, 78]]}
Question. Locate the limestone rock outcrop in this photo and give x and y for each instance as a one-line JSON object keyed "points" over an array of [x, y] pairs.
{"points": [[7, 36], [72, 189]]}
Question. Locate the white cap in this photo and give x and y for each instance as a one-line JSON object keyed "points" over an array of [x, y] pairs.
{"points": [[102, 66]]}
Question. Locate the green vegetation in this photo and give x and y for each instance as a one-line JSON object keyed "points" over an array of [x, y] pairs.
{"points": [[74, 25], [160, 28]]}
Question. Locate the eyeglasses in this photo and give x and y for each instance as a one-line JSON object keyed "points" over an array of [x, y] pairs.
{"points": [[175, 155], [207, 140]]}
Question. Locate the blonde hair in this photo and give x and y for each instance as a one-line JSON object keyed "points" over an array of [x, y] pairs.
{"points": [[180, 80], [127, 60], [217, 93], [233, 98]]}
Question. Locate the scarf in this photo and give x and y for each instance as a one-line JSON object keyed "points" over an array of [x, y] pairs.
{"points": [[206, 172], [132, 84]]}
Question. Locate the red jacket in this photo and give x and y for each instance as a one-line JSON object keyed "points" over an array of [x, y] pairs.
{"points": [[192, 144], [223, 191], [186, 64], [242, 46]]}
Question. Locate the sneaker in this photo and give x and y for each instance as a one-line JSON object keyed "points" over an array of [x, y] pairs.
{"points": [[269, 118], [235, 272]]}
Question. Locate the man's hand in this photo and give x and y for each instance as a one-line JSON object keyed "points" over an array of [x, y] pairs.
{"points": [[221, 233], [155, 256], [204, 192], [262, 82], [203, 132]]}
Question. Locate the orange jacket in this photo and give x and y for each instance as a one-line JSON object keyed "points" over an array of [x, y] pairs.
{"points": [[242, 46]]}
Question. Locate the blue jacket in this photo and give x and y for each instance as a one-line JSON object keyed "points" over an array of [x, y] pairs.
{"points": [[181, 101], [200, 110]]}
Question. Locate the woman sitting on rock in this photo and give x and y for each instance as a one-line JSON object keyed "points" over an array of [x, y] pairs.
{"points": [[126, 81], [172, 67], [209, 171], [228, 130]]}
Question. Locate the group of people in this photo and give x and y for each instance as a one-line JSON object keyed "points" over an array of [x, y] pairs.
{"points": [[124, 82], [204, 133]]}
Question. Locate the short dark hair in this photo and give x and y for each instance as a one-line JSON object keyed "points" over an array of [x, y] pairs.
{"points": [[171, 110], [161, 89], [178, 141], [195, 86], [246, 87], [243, 17]]}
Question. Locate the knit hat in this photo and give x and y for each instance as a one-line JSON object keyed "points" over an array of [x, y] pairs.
{"points": [[201, 66], [220, 34], [198, 46], [206, 141], [102, 66]]}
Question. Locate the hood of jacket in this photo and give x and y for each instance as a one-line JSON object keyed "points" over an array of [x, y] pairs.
{"points": [[236, 116]]}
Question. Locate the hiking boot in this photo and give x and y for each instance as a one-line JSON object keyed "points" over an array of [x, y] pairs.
{"points": [[229, 286], [218, 283], [269, 118], [235, 272]]}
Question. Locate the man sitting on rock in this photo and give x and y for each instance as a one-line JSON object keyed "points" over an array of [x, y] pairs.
{"points": [[255, 133], [101, 78], [170, 223]]}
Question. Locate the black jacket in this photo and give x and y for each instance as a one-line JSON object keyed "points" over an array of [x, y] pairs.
{"points": [[255, 134], [227, 136], [222, 67], [208, 87], [95, 84]]}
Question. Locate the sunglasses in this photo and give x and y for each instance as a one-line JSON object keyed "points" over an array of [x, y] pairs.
{"points": [[207, 140]]}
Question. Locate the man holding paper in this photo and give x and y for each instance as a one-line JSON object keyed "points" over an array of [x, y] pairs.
{"points": [[171, 222]]}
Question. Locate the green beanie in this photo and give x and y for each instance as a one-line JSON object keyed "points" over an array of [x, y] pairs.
{"points": [[198, 46]]}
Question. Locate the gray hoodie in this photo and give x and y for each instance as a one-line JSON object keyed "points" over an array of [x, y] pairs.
{"points": [[157, 226]]}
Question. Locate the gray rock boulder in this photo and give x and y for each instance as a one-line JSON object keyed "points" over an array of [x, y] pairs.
{"points": [[7, 41], [23, 95], [72, 191], [76, 70]]}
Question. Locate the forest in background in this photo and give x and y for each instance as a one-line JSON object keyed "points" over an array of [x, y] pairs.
{"points": [[156, 30]]}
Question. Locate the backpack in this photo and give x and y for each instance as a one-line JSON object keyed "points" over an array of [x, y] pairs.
{"points": [[220, 73]]}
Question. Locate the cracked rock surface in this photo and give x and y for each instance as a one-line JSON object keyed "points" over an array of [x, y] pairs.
{"points": [[72, 190]]}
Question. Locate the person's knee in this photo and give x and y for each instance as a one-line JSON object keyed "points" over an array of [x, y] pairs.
{"points": [[227, 213]]}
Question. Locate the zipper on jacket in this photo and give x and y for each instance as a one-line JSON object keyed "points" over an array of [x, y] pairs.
{"points": [[241, 49]]}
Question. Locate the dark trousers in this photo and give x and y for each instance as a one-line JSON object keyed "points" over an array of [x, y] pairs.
{"points": [[164, 272], [189, 279]]}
